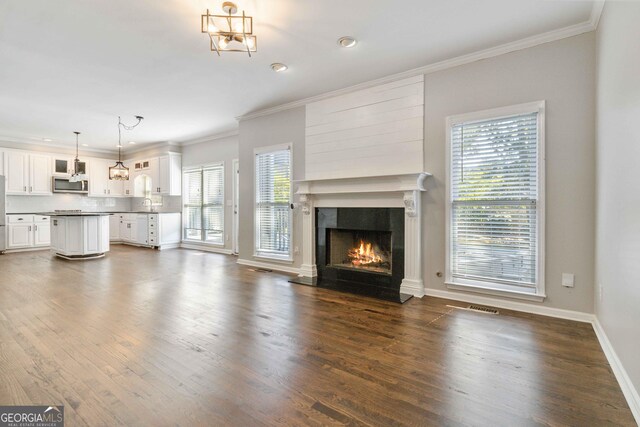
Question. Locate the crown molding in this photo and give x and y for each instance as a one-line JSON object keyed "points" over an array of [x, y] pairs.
{"points": [[596, 13], [149, 146], [55, 145], [210, 138], [550, 36]]}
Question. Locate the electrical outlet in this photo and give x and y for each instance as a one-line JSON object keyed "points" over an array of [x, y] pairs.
{"points": [[568, 280], [226, 237], [296, 250]]}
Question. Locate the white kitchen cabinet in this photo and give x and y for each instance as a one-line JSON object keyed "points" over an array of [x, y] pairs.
{"points": [[39, 174], [141, 230], [41, 231], [85, 236], [19, 236], [99, 183], [153, 229], [154, 173], [27, 173], [62, 165], [16, 165], [170, 174], [1, 162], [114, 227], [27, 231]]}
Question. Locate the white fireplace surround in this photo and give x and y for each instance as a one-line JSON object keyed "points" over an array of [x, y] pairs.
{"points": [[378, 191]]}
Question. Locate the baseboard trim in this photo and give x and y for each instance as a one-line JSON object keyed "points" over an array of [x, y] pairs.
{"points": [[513, 305], [17, 250], [629, 391], [269, 266], [204, 248]]}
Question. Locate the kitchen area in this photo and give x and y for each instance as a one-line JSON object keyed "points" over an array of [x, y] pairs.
{"points": [[56, 201]]}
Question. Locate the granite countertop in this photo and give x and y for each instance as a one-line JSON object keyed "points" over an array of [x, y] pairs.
{"points": [[87, 213], [73, 213]]}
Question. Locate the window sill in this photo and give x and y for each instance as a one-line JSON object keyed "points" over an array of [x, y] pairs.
{"points": [[282, 260], [496, 292]]}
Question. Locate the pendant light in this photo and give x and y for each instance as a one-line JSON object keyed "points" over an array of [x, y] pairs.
{"points": [[120, 172], [77, 175]]}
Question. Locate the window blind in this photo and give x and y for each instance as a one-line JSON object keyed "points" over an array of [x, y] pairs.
{"points": [[204, 204], [273, 199], [494, 198]]}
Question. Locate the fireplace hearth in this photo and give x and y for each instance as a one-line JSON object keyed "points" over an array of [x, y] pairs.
{"points": [[361, 250]]}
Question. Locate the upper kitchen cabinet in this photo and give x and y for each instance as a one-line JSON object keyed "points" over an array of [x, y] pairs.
{"points": [[27, 173], [163, 175], [99, 183], [63, 166], [170, 183]]}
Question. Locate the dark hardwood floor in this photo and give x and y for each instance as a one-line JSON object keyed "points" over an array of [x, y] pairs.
{"points": [[190, 338]]}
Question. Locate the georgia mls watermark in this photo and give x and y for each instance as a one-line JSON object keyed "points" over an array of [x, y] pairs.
{"points": [[31, 416]]}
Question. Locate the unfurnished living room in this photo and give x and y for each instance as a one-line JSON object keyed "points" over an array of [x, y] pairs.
{"points": [[314, 213]]}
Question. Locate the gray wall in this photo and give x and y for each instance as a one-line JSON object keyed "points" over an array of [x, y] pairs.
{"points": [[562, 73], [618, 186], [286, 127], [219, 150]]}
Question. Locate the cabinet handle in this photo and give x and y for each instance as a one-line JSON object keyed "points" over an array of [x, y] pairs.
{"points": [[29, 228], [30, 189], [36, 228], [25, 188]]}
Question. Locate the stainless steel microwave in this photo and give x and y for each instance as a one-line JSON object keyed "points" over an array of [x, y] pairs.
{"points": [[63, 185]]}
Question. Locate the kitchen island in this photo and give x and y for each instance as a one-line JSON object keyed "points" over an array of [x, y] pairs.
{"points": [[79, 235]]}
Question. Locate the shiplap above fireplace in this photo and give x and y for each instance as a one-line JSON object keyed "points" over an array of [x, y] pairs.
{"points": [[372, 132]]}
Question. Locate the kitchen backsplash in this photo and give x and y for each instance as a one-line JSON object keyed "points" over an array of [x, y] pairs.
{"points": [[25, 204], [169, 204]]}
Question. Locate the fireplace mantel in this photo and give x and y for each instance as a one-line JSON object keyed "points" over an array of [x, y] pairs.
{"points": [[405, 186], [374, 184]]}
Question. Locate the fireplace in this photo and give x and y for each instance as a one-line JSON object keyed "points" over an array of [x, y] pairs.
{"points": [[364, 250], [361, 250]]}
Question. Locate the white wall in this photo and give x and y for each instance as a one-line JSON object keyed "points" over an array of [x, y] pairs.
{"points": [[286, 127], [618, 185], [562, 73], [218, 150]]}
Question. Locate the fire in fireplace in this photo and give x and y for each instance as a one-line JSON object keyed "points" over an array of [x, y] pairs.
{"points": [[360, 250]]}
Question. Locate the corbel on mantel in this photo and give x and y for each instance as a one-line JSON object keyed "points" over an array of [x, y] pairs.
{"points": [[408, 185]]}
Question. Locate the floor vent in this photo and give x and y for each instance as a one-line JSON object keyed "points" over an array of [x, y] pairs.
{"points": [[482, 309], [261, 270]]}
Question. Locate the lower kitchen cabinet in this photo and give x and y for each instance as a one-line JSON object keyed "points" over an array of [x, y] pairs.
{"points": [[28, 231], [152, 229]]}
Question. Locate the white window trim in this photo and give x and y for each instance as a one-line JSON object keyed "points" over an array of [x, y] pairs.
{"points": [[288, 259], [201, 242], [496, 113]]}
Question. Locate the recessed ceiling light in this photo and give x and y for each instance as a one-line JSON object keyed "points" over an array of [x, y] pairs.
{"points": [[85, 145], [278, 67], [118, 146], [132, 142], [47, 139], [347, 41]]}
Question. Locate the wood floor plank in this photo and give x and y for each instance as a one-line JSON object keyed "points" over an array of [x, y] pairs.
{"points": [[182, 337]]}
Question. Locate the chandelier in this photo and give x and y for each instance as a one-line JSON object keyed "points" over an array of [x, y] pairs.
{"points": [[119, 172], [230, 32], [77, 175]]}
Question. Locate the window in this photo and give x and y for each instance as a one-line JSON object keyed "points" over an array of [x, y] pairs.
{"points": [[273, 199], [204, 204], [495, 206]]}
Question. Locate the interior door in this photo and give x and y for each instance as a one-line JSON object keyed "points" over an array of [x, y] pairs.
{"points": [[236, 204]]}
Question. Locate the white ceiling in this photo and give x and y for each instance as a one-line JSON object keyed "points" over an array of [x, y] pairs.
{"points": [[70, 65]]}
